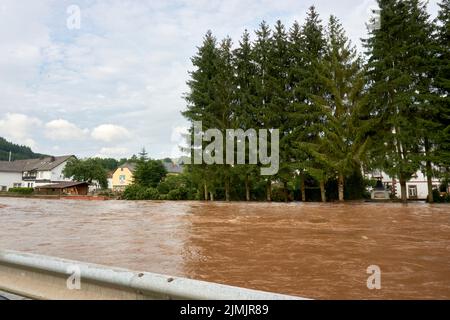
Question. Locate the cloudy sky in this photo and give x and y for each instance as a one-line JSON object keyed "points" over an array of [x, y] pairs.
{"points": [[116, 83]]}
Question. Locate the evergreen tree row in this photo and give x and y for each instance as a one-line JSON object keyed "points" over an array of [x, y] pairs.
{"points": [[338, 112]]}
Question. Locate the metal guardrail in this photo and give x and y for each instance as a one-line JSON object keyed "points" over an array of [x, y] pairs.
{"points": [[41, 277]]}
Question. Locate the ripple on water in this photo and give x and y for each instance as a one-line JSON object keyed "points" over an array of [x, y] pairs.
{"points": [[311, 250]]}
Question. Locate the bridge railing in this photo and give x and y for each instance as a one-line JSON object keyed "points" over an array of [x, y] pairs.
{"points": [[42, 277]]}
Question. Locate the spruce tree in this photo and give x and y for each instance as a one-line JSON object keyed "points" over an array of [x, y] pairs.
{"points": [[202, 104], [342, 141], [394, 87], [143, 155], [306, 86], [261, 82], [280, 104], [246, 110], [226, 104], [421, 54], [442, 83], [296, 75]]}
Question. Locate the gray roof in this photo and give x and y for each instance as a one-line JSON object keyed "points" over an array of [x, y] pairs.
{"points": [[42, 164], [172, 167], [129, 165]]}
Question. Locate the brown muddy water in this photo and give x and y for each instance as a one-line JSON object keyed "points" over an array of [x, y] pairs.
{"points": [[317, 251]]}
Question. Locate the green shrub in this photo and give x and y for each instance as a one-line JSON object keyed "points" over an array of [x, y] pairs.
{"points": [[278, 194], [180, 193], [21, 190], [163, 197], [136, 192], [130, 192], [177, 187], [440, 198], [174, 194], [151, 194]]}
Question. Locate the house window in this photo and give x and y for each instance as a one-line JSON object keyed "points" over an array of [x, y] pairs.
{"points": [[17, 185], [3, 188], [412, 191], [122, 179]]}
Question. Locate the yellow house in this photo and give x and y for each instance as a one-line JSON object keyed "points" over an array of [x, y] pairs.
{"points": [[123, 176]]}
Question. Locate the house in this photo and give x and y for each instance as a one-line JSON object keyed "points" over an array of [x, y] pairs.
{"points": [[66, 187], [31, 173], [110, 179], [416, 187], [123, 176]]}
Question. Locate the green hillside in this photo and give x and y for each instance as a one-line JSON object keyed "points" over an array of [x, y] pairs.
{"points": [[17, 152]]}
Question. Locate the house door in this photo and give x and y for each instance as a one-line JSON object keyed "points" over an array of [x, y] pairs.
{"points": [[412, 192]]}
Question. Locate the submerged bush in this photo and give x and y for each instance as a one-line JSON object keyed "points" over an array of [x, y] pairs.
{"points": [[177, 187], [440, 197], [21, 190], [136, 192], [180, 193]]}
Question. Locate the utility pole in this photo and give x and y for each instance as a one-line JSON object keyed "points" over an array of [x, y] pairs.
{"points": [[9, 157]]}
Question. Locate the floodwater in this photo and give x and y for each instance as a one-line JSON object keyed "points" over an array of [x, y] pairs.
{"points": [[319, 251]]}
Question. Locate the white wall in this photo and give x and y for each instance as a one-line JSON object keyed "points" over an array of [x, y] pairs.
{"points": [[57, 175], [44, 175], [9, 178], [420, 181]]}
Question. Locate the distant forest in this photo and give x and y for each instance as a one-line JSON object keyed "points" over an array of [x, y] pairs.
{"points": [[18, 152]]}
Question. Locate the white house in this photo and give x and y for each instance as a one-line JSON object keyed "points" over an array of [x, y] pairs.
{"points": [[32, 173], [417, 187]]}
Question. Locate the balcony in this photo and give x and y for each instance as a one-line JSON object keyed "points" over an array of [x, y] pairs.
{"points": [[29, 175], [28, 178]]}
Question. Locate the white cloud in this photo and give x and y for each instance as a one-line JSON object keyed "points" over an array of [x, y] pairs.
{"points": [[113, 152], [128, 63], [110, 133], [19, 128], [61, 129]]}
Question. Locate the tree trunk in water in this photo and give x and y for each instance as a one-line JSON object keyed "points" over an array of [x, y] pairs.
{"points": [[247, 188], [394, 188], [403, 189], [206, 191], [269, 190], [285, 191], [429, 182], [302, 187], [341, 187], [227, 189], [429, 172], [322, 191]]}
